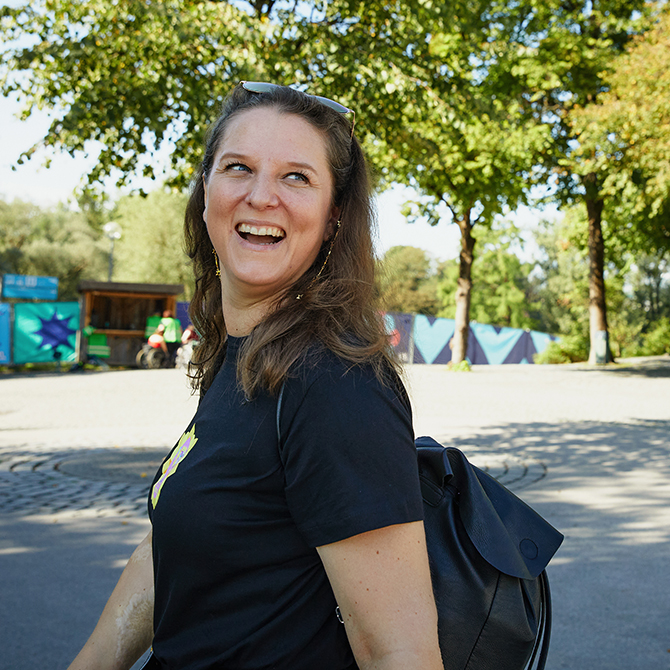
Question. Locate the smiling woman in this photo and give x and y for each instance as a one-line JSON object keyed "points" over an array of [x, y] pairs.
{"points": [[310, 172], [289, 540], [268, 209]]}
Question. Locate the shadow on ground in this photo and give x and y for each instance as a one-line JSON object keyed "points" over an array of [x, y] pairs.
{"points": [[646, 368], [607, 488], [55, 577]]}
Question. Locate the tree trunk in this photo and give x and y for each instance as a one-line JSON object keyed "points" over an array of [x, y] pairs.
{"points": [[599, 336], [462, 327]]}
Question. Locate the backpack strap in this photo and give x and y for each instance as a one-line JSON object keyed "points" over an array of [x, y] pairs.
{"points": [[278, 415], [543, 637]]}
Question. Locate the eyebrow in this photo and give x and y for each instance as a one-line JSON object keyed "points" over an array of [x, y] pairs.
{"points": [[232, 155]]}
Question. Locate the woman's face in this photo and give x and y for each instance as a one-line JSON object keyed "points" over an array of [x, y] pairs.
{"points": [[268, 202]]}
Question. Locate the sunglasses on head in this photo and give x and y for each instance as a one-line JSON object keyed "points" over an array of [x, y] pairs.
{"points": [[266, 87]]}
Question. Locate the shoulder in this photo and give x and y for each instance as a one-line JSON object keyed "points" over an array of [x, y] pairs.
{"points": [[323, 374], [329, 394], [347, 446]]}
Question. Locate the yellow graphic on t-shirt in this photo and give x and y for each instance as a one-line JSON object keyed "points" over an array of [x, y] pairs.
{"points": [[186, 443]]}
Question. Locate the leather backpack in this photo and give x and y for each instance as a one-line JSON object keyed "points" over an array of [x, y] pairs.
{"points": [[488, 552]]}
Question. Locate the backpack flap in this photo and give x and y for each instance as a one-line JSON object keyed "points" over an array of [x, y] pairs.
{"points": [[507, 533]]}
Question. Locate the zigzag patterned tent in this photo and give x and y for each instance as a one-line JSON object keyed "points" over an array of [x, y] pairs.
{"points": [[40, 329], [425, 339]]}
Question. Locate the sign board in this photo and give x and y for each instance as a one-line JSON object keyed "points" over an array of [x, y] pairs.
{"points": [[4, 333], [45, 331], [27, 287]]}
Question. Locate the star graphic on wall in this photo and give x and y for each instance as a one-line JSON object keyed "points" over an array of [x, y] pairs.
{"points": [[55, 331]]}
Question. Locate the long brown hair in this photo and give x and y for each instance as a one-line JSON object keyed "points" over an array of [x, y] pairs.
{"points": [[339, 309]]}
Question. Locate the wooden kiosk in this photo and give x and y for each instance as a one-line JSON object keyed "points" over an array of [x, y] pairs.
{"points": [[119, 312]]}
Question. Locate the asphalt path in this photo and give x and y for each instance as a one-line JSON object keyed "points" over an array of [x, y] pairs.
{"points": [[588, 448]]}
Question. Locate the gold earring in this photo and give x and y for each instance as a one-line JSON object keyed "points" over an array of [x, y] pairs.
{"points": [[330, 250], [216, 262]]}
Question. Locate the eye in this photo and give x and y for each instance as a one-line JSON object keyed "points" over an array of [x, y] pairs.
{"points": [[298, 176], [236, 167]]}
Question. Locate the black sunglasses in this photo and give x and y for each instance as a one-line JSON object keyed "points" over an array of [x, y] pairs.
{"points": [[266, 87]]}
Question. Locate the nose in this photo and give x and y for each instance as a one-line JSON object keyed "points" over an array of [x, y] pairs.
{"points": [[262, 192]]}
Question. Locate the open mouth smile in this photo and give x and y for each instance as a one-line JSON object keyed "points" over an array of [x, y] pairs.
{"points": [[263, 235]]}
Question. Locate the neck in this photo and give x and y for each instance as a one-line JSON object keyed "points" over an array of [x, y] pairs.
{"points": [[241, 317]]}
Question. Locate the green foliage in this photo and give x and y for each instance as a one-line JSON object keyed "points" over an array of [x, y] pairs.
{"points": [[650, 287], [437, 104], [129, 74], [638, 295], [561, 279], [463, 366], [626, 136], [657, 340], [469, 102], [569, 349], [567, 49], [407, 282], [576, 44], [502, 293], [151, 246], [135, 73], [50, 242]]}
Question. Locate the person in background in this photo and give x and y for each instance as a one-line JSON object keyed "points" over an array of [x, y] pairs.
{"points": [[157, 339], [172, 333], [189, 335]]}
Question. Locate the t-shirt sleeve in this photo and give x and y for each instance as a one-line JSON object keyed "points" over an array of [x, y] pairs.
{"points": [[349, 456]]}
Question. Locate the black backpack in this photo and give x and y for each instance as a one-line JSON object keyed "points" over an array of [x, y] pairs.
{"points": [[488, 552]]}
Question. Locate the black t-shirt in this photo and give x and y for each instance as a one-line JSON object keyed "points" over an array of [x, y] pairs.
{"points": [[237, 516]]}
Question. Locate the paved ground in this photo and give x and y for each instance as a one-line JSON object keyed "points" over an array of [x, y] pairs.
{"points": [[590, 449]]}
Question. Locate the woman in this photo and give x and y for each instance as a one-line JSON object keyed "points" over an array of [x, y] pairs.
{"points": [[269, 526]]}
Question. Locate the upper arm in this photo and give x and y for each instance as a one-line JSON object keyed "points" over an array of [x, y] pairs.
{"points": [[381, 580], [348, 455]]}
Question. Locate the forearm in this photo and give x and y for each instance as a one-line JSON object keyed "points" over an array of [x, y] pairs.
{"points": [[402, 660], [417, 651], [125, 628]]}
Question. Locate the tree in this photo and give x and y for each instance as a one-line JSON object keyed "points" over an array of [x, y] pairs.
{"points": [[416, 73], [573, 45], [436, 110], [53, 242], [650, 286], [130, 75], [502, 293], [468, 101], [407, 282], [637, 296], [151, 247], [561, 277], [628, 135]]}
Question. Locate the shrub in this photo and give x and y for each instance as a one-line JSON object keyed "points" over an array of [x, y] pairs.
{"points": [[569, 349], [657, 340], [463, 366]]}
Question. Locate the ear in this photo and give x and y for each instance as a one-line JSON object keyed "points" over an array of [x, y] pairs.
{"points": [[204, 186]]}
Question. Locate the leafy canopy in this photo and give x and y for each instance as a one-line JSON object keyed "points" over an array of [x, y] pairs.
{"points": [[53, 242], [408, 283], [502, 292]]}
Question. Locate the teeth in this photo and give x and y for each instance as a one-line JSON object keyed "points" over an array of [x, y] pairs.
{"points": [[265, 230]]}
